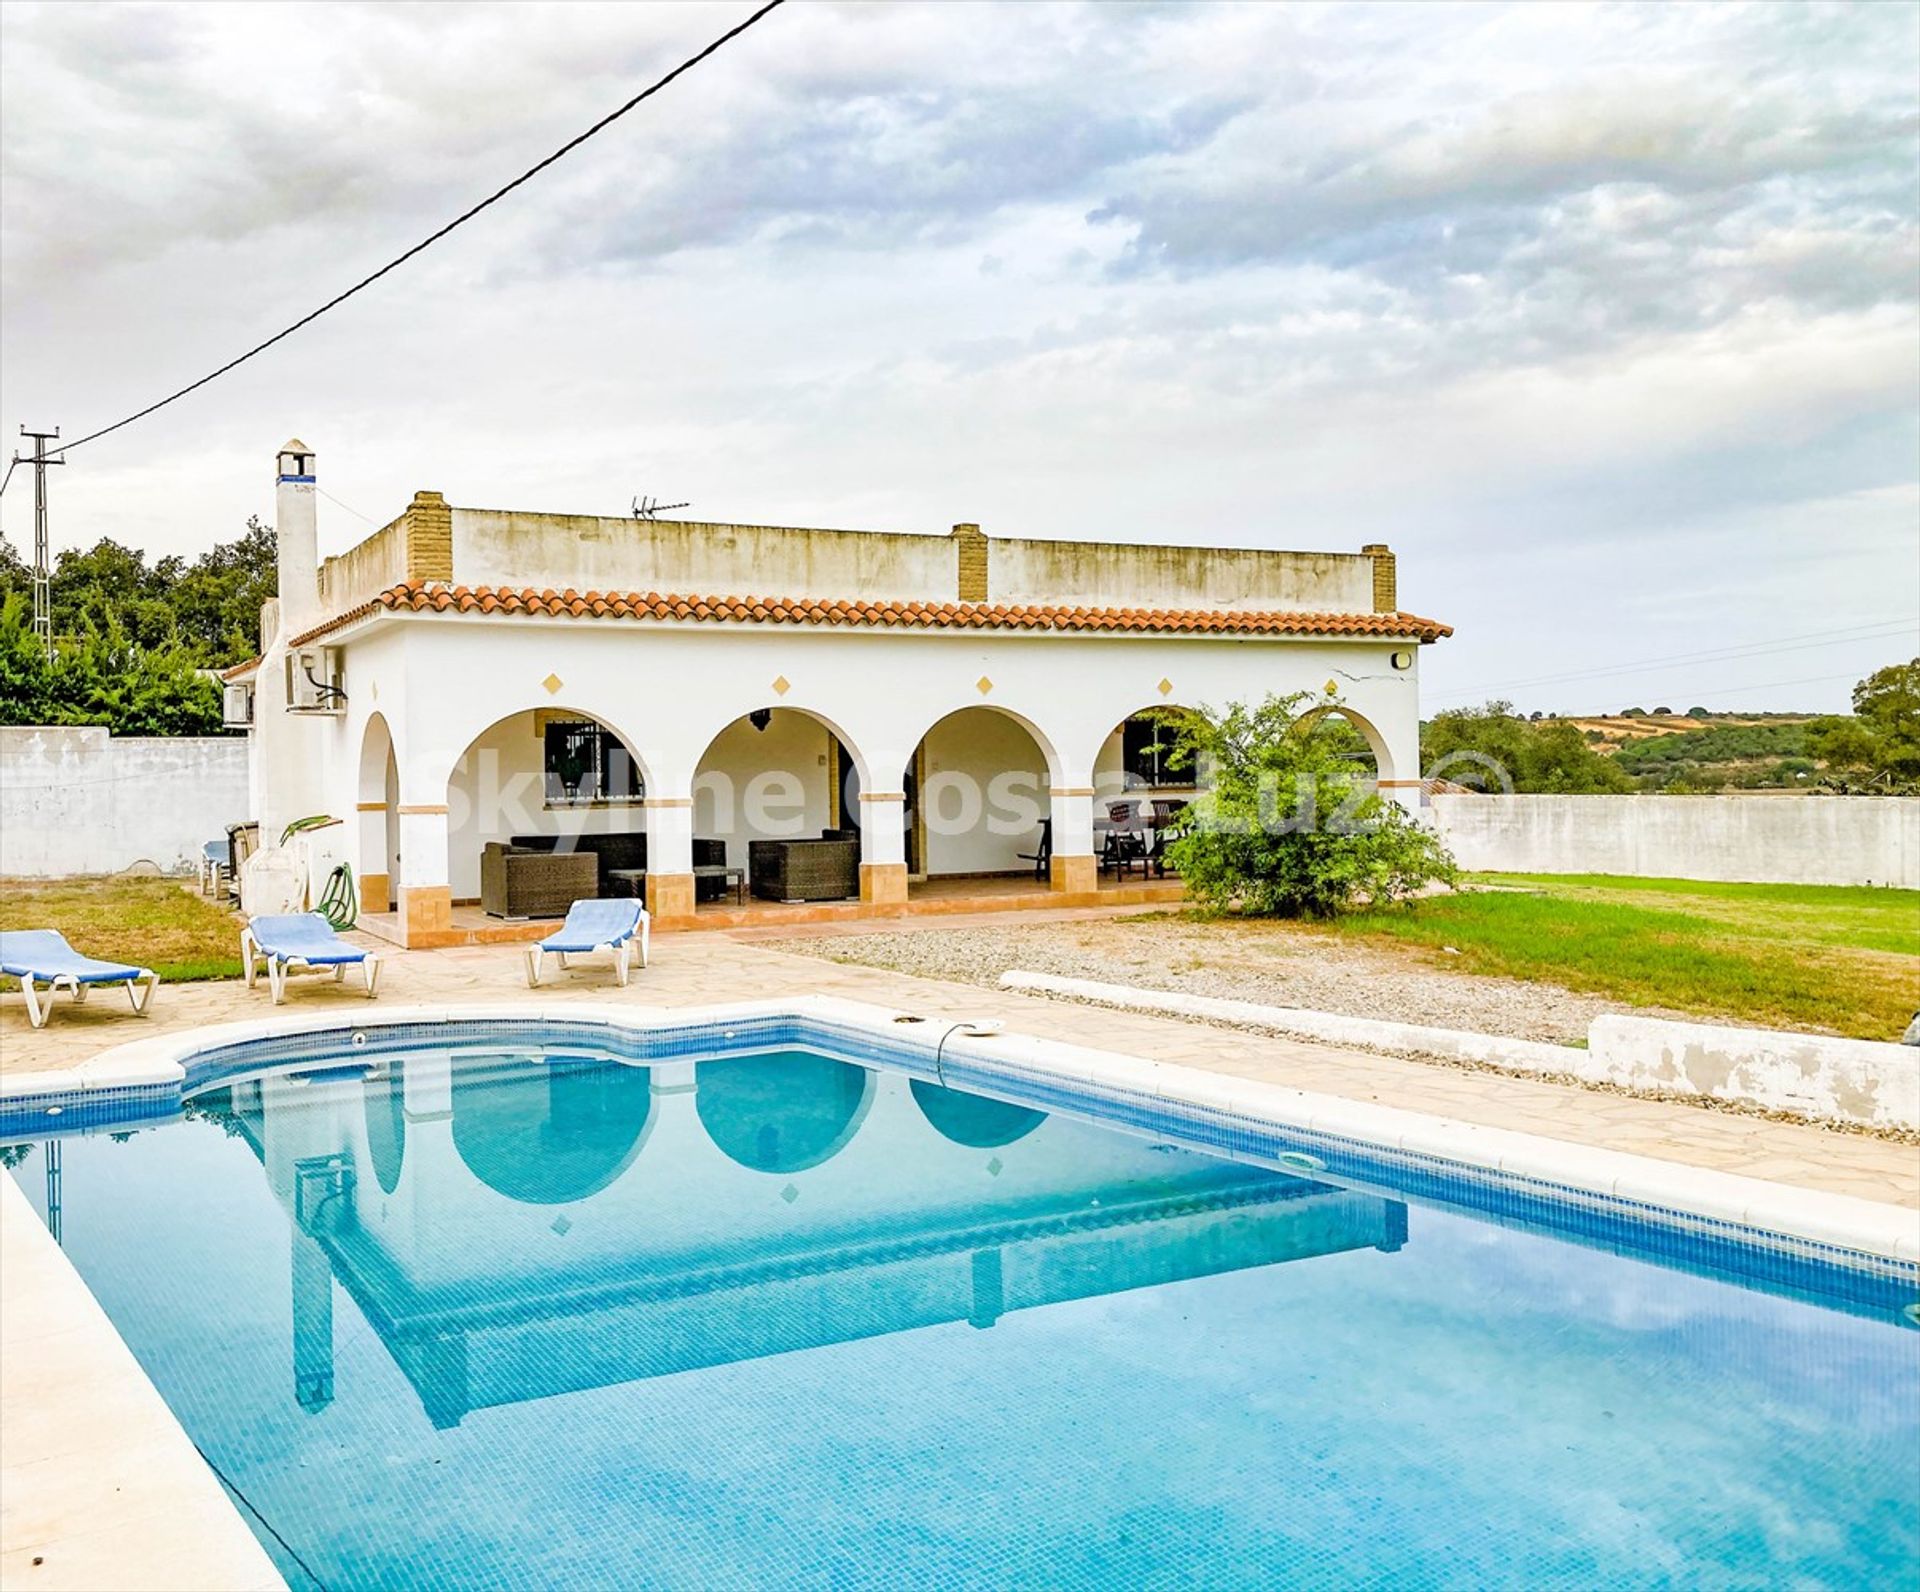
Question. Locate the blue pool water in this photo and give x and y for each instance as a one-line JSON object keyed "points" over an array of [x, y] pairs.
{"points": [[540, 1316]]}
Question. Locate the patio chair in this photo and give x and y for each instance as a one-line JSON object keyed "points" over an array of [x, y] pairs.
{"points": [[1042, 855], [596, 926], [216, 864], [45, 956], [300, 942]]}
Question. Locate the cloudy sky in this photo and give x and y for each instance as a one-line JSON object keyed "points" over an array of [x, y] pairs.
{"points": [[1604, 318]]}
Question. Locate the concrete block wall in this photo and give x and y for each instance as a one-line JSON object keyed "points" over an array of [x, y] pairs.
{"points": [[1756, 839], [75, 800]]}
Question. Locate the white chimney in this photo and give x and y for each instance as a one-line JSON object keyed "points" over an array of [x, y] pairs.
{"points": [[296, 525]]}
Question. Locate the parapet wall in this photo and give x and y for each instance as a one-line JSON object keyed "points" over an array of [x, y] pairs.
{"points": [[493, 547]]}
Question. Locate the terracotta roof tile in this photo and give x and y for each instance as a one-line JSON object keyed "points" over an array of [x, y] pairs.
{"points": [[434, 597]]}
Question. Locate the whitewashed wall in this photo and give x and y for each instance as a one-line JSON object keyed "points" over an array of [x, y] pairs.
{"points": [[1759, 839], [77, 800]]}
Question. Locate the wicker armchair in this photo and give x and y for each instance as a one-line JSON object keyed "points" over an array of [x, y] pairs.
{"points": [[804, 870], [535, 884]]}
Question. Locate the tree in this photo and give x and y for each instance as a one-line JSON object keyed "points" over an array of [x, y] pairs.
{"points": [[217, 602], [1881, 741], [101, 677], [1288, 826], [1550, 757]]}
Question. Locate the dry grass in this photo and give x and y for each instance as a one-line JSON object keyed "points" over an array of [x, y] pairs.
{"points": [[164, 924]]}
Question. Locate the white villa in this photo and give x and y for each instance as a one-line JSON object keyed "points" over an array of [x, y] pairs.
{"points": [[479, 692]]}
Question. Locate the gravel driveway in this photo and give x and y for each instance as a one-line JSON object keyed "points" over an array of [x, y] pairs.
{"points": [[1271, 963]]}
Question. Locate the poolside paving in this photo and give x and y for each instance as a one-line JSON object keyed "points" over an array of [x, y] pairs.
{"points": [[690, 969]]}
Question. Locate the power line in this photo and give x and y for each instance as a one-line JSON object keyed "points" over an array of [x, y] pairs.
{"points": [[427, 242], [1751, 685], [1883, 629]]}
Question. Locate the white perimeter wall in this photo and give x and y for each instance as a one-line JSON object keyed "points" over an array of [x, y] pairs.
{"points": [[77, 800], [1759, 839]]}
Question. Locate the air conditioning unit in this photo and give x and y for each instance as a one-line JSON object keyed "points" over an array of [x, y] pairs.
{"points": [[316, 681], [236, 707]]}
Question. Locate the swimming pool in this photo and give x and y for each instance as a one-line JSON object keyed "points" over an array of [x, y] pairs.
{"points": [[524, 1304]]}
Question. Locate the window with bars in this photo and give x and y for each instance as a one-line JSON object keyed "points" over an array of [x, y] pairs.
{"points": [[1146, 747], [585, 763]]}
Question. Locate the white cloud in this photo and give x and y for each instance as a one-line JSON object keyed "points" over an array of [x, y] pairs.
{"points": [[1531, 293]]}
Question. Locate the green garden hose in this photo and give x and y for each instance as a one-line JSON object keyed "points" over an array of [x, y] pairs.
{"points": [[340, 902]]}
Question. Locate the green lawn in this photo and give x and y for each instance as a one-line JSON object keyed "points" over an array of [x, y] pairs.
{"points": [[1846, 960], [164, 924]]}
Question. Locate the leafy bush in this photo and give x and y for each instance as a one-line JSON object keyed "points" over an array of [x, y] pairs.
{"points": [[1287, 825], [102, 677]]}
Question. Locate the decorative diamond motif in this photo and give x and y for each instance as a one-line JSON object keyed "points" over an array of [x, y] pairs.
{"points": [[984, 684], [553, 682], [995, 1167], [1332, 689], [790, 1193], [562, 1226], [1165, 688], [782, 685]]}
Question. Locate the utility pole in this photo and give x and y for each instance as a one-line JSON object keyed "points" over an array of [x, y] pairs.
{"points": [[42, 581]]}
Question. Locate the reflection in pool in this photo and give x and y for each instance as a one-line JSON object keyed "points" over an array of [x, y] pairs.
{"points": [[545, 1318]]}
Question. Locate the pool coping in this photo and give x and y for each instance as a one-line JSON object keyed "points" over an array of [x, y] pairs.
{"points": [[100, 1485]]}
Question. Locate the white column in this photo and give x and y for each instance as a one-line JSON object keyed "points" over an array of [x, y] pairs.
{"points": [[670, 855], [426, 899], [1074, 866], [883, 847]]}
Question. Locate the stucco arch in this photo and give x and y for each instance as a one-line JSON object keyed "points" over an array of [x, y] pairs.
{"points": [[1370, 732], [438, 773], [781, 1113], [558, 1137], [376, 816], [1097, 746], [377, 751], [1049, 746], [834, 724]]}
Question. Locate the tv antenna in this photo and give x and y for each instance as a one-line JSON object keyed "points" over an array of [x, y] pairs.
{"points": [[647, 508]]}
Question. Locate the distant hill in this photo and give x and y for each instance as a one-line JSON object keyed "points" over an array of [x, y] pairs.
{"points": [[1706, 751]]}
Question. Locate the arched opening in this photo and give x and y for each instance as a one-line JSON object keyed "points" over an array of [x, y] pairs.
{"points": [[555, 1137], [781, 1113], [973, 1120], [383, 1098], [776, 810], [1142, 779], [378, 816], [541, 784], [979, 810], [1352, 738]]}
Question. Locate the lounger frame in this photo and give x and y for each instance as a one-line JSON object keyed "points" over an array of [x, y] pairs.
{"points": [[622, 950], [278, 967], [140, 990]]}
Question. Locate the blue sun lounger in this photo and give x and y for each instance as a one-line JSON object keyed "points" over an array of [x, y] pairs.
{"points": [[596, 926], [43, 955], [303, 942]]}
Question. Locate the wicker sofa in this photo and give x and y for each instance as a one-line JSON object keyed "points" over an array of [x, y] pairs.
{"points": [[804, 870], [519, 882], [627, 849]]}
